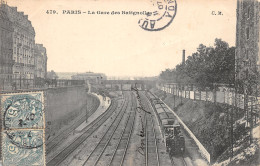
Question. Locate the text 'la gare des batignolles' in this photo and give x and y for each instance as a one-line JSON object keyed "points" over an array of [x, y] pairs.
{"points": [[68, 12]]}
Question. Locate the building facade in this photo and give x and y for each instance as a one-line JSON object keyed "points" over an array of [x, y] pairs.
{"points": [[23, 63], [247, 57], [23, 47], [6, 51], [247, 43], [40, 57]]}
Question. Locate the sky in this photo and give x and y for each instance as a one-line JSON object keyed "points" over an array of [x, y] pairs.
{"points": [[115, 44]]}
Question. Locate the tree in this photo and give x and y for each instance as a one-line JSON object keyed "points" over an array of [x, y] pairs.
{"points": [[205, 67], [52, 75]]}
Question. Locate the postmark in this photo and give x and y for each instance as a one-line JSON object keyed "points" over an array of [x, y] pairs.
{"points": [[25, 139], [23, 125], [22, 111], [161, 18], [24, 147]]}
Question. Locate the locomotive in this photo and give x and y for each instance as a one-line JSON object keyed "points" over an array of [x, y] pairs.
{"points": [[174, 140]]}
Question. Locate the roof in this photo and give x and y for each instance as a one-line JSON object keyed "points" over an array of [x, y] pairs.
{"points": [[17, 17]]}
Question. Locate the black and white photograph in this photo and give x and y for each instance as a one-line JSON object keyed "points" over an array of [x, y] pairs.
{"points": [[129, 83]]}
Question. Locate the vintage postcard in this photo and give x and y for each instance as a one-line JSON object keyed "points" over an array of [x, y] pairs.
{"points": [[145, 83]]}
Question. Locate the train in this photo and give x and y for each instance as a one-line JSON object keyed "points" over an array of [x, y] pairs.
{"points": [[174, 140], [170, 127]]}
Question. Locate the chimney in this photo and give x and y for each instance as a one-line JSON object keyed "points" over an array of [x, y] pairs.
{"points": [[183, 57]]}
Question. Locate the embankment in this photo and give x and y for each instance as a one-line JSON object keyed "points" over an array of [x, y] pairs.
{"points": [[209, 122]]}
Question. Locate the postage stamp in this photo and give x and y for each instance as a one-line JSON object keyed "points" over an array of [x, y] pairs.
{"points": [[161, 18], [23, 147], [22, 110], [23, 125]]}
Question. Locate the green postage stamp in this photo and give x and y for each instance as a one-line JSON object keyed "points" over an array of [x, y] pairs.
{"points": [[23, 124]]}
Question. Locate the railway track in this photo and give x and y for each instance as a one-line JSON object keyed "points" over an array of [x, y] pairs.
{"points": [[176, 161], [102, 145], [184, 162], [111, 148], [91, 128], [119, 154], [151, 146], [51, 145]]}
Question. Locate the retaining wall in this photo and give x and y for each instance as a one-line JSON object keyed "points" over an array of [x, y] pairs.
{"points": [[63, 105], [61, 101]]}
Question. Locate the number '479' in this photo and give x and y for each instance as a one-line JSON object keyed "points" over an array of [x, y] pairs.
{"points": [[51, 12]]}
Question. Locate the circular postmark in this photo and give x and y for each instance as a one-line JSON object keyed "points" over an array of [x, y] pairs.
{"points": [[23, 147], [160, 18], [22, 111], [22, 117], [27, 139]]}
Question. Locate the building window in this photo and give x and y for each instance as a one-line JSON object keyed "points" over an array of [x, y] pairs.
{"points": [[247, 33]]}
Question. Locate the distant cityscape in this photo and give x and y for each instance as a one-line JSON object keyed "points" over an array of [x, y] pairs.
{"points": [[68, 75]]}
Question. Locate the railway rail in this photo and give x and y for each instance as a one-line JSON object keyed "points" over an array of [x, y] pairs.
{"points": [[184, 162], [114, 142], [51, 145], [118, 156], [179, 159], [151, 148], [91, 128], [101, 146]]}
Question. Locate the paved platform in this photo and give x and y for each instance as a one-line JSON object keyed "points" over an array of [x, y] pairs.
{"points": [[104, 104]]}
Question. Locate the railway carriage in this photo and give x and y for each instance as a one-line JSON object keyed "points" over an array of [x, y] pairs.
{"points": [[156, 101], [170, 115], [173, 138], [163, 116], [157, 106], [160, 110], [164, 113]]}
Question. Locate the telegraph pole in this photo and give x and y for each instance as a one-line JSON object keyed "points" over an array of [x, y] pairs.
{"points": [[86, 111]]}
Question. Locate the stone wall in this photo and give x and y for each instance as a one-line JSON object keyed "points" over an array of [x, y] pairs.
{"points": [[63, 105]]}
